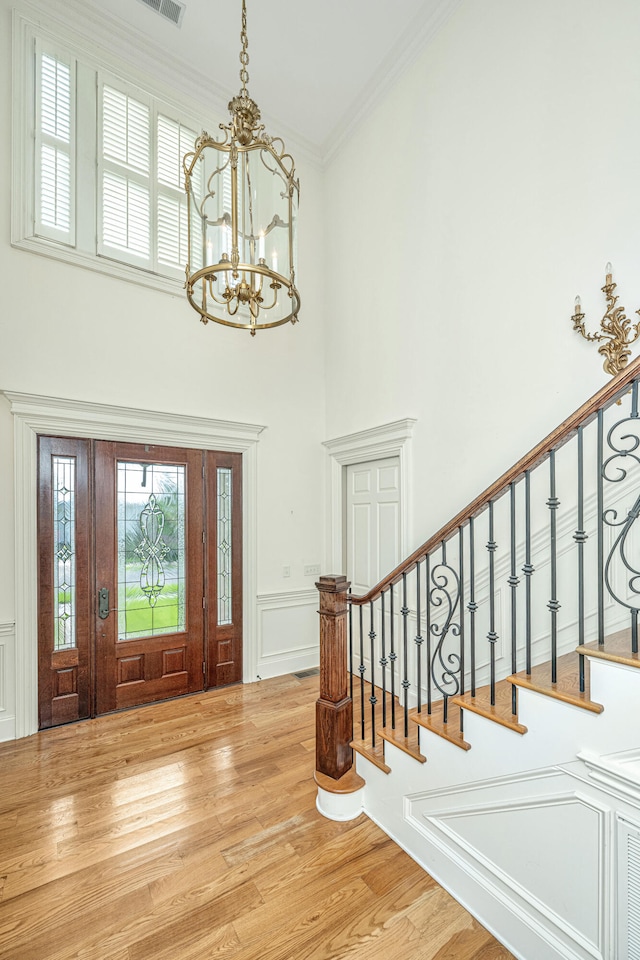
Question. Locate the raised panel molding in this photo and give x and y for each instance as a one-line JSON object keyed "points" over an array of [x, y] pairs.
{"points": [[7, 681], [538, 843], [33, 415], [292, 614]]}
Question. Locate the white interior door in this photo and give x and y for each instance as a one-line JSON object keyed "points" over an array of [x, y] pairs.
{"points": [[372, 521]]}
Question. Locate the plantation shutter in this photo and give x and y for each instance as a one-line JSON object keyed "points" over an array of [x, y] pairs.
{"points": [[54, 214], [173, 141], [124, 221]]}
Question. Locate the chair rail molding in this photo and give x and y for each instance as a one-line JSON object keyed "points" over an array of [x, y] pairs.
{"points": [[34, 415], [386, 440]]}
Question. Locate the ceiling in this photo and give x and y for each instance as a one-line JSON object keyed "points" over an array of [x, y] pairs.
{"points": [[313, 66]]}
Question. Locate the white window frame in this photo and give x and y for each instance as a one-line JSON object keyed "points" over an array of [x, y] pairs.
{"points": [[83, 250], [40, 229]]}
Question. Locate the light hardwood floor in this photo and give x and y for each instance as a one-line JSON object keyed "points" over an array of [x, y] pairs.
{"points": [[187, 830]]}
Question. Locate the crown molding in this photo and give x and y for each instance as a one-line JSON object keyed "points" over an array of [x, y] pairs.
{"points": [[420, 32]]}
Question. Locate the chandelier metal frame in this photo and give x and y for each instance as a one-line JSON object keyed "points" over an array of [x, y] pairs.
{"points": [[230, 284]]}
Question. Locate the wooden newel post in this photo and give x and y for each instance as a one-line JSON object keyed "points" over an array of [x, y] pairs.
{"points": [[334, 708]]}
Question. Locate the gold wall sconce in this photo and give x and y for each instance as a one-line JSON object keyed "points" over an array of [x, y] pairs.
{"points": [[617, 333]]}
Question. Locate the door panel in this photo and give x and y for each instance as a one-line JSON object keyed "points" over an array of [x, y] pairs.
{"points": [[224, 568], [64, 605], [372, 521], [149, 555]]}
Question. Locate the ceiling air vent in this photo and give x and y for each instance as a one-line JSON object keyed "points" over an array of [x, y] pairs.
{"points": [[171, 10]]}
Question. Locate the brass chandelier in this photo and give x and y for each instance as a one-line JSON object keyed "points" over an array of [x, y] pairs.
{"points": [[242, 202]]}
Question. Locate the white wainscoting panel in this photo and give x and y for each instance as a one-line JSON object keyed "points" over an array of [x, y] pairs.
{"points": [[510, 830], [288, 632], [7, 681]]}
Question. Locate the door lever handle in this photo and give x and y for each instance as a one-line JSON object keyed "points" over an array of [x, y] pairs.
{"points": [[103, 603]]}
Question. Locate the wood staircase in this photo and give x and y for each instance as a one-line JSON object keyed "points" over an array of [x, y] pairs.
{"points": [[566, 689]]}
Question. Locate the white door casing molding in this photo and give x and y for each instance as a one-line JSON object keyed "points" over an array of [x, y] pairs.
{"points": [[387, 440], [33, 415]]}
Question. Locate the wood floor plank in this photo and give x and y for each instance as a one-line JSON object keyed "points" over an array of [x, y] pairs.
{"points": [[187, 830]]}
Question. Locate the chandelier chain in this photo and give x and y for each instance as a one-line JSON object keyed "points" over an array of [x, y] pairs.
{"points": [[244, 53]]}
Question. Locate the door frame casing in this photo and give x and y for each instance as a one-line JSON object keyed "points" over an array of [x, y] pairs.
{"points": [[33, 415], [387, 440]]}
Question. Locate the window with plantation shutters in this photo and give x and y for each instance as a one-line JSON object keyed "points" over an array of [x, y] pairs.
{"points": [[125, 178], [173, 140], [98, 172], [54, 142]]}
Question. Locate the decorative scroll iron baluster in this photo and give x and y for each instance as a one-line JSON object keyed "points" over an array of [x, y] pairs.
{"points": [[624, 446], [444, 595]]}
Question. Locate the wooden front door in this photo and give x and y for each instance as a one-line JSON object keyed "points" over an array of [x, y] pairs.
{"points": [[149, 523], [140, 574]]}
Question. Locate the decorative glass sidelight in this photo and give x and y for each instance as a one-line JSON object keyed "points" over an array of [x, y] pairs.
{"points": [[64, 553], [151, 549], [224, 546]]}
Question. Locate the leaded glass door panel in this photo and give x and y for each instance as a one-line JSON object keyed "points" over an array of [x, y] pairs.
{"points": [[149, 573], [64, 608], [224, 568]]}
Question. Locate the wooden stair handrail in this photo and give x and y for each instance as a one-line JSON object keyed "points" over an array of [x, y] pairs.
{"points": [[582, 416]]}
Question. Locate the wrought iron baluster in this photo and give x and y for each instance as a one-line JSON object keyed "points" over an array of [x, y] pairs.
{"points": [[462, 651], [361, 669], [444, 594], [580, 536], [513, 582], [428, 625], [553, 605], [625, 456], [350, 649], [372, 697], [492, 636], [405, 653], [472, 606], [393, 656], [600, 498], [528, 569], [383, 661], [418, 640]]}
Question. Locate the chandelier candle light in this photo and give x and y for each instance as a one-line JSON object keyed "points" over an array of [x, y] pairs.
{"points": [[242, 201], [617, 331]]}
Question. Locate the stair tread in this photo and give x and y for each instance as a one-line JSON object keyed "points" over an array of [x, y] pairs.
{"points": [[616, 648], [406, 744], [374, 754], [434, 722], [500, 712], [566, 687]]}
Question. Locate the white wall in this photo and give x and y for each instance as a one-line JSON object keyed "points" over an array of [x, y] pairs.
{"points": [[488, 188], [70, 332]]}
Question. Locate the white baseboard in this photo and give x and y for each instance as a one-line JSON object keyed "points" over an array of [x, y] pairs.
{"points": [[7, 681]]}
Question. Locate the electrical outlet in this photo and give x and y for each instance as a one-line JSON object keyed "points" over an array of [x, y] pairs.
{"points": [[312, 570], [286, 570]]}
